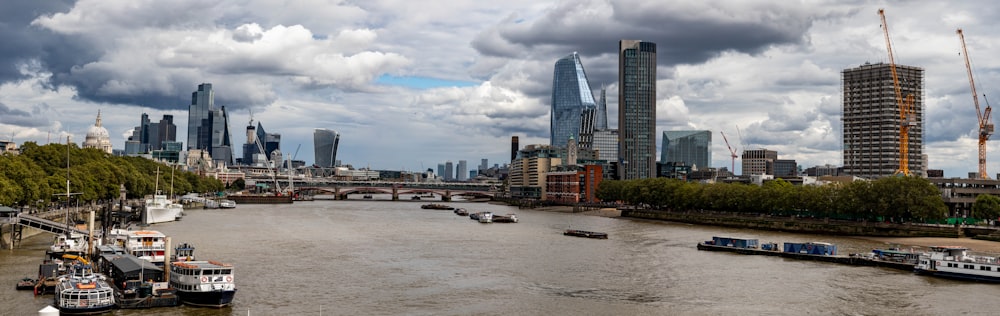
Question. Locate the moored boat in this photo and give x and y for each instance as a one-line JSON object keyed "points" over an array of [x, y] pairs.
{"points": [[461, 212], [436, 207], [486, 217], [227, 204], [159, 209], [83, 292], [26, 284], [145, 244], [203, 283], [509, 218], [955, 262], [584, 233]]}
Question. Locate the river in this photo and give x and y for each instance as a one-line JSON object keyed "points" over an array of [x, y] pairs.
{"points": [[393, 258]]}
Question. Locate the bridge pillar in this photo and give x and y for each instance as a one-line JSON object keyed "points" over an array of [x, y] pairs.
{"points": [[336, 193], [395, 193], [447, 196]]}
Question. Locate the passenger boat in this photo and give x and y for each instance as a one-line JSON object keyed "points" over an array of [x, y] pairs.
{"points": [[955, 262], [159, 209], [68, 243], [584, 233], [203, 283], [83, 292], [149, 245]]}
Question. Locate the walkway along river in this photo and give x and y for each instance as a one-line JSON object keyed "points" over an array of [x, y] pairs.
{"points": [[391, 258]]}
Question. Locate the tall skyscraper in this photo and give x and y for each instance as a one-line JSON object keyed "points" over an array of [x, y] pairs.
{"points": [[484, 164], [571, 94], [462, 170], [693, 148], [449, 170], [325, 142], [871, 119], [636, 109], [601, 119], [440, 172], [199, 125], [208, 128], [513, 148]]}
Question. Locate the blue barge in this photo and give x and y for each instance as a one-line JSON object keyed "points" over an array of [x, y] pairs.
{"points": [[814, 251]]}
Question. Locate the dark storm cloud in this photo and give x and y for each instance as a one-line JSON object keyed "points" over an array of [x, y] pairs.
{"points": [[687, 36], [23, 43]]}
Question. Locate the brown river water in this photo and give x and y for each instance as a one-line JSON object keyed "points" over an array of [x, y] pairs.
{"points": [[394, 258]]}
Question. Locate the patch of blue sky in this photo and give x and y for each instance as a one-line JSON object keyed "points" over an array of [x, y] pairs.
{"points": [[421, 82]]}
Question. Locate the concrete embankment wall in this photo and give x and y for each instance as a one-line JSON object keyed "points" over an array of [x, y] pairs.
{"points": [[798, 225]]}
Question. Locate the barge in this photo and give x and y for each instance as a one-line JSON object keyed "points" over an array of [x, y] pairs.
{"points": [[260, 199], [584, 233], [816, 251]]}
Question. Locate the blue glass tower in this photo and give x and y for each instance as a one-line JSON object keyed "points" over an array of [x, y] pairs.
{"points": [[693, 148], [571, 94]]}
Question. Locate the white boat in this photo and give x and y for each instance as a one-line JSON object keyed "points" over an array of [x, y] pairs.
{"points": [[83, 292], [227, 204], [69, 243], [201, 283], [486, 217], [149, 245], [159, 209], [955, 262]]}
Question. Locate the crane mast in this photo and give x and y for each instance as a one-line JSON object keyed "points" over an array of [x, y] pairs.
{"points": [[985, 127], [905, 106], [732, 152]]}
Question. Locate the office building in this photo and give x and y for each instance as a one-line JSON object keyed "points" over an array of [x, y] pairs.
{"points": [[208, 127], [571, 94], [270, 142], [605, 143], [462, 171], [636, 109], [785, 168], [449, 171], [693, 148], [440, 171], [325, 143], [484, 164], [758, 161], [871, 120], [513, 147]]}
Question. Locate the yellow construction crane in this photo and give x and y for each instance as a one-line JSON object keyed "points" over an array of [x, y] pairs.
{"points": [[905, 107], [985, 127]]}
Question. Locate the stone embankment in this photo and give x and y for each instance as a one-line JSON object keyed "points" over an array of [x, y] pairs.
{"points": [[809, 225]]}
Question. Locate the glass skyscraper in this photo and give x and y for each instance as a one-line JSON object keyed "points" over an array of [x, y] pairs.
{"points": [[636, 109], [208, 128], [325, 142], [571, 94], [693, 148]]}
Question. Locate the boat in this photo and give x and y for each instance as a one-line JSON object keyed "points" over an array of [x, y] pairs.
{"points": [[955, 262], [68, 243], [486, 217], [260, 198], [227, 204], [83, 292], [367, 197], [584, 233], [26, 284], [436, 207], [461, 212], [509, 218], [149, 245], [415, 198], [48, 277], [159, 209], [203, 283]]}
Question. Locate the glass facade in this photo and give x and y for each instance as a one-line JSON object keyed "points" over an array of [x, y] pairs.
{"points": [[571, 94], [325, 143], [693, 148], [636, 109], [202, 102]]}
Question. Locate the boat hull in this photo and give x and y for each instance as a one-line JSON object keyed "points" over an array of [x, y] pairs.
{"points": [[958, 276], [85, 311], [207, 299]]}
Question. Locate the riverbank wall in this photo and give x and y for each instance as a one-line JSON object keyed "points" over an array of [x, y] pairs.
{"points": [[808, 225]]}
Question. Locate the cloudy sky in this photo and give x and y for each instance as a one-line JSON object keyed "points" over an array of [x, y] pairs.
{"points": [[410, 84]]}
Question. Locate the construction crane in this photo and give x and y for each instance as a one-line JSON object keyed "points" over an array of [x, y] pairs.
{"points": [[985, 127], [732, 153], [905, 106]]}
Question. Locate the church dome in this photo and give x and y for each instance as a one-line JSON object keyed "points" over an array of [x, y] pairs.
{"points": [[98, 136]]}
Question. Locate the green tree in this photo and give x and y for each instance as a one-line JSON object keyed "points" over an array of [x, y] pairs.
{"points": [[986, 207]]}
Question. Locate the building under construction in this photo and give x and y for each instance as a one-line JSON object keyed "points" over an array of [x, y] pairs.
{"points": [[872, 120]]}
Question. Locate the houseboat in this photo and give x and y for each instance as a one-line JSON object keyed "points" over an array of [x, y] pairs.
{"points": [[149, 245]]}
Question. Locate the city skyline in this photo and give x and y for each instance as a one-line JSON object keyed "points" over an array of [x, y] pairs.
{"points": [[458, 81]]}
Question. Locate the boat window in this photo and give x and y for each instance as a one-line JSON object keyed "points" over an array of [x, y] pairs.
{"points": [[968, 266], [227, 271]]}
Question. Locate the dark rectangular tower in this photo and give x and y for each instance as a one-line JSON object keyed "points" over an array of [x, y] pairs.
{"points": [[636, 109]]}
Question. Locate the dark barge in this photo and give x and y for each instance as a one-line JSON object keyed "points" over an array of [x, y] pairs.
{"points": [[584, 233], [801, 254]]}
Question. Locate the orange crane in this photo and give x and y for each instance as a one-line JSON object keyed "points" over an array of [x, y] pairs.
{"points": [[905, 106], [985, 127], [732, 152]]}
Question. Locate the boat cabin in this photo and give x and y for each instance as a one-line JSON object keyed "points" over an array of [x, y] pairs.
{"points": [[749, 243], [812, 248]]}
